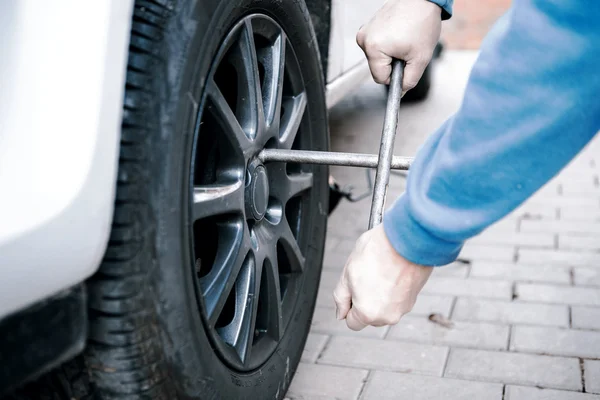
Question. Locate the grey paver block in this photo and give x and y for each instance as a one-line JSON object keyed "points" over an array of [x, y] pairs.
{"points": [[469, 287], [324, 322], [520, 369], [455, 270], [523, 239], [429, 304], [574, 242], [585, 317], [558, 294], [393, 385], [313, 347], [520, 272], [563, 226], [330, 278], [385, 355], [534, 212], [462, 334], [586, 214], [587, 276], [474, 252], [561, 257], [555, 341], [325, 298], [563, 201], [313, 381], [335, 260], [331, 242], [592, 376], [532, 393], [470, 309]]}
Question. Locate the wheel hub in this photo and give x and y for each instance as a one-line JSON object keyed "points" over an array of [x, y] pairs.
{"points": [[257, 191]]}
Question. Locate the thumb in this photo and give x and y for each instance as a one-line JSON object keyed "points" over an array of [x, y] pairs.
{"points": [[412, 74], [342, 297]]}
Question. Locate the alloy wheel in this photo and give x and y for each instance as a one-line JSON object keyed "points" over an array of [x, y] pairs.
{"points": [[246, 217]]}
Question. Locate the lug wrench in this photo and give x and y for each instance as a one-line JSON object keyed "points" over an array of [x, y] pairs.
{"points": [[384, 162]]}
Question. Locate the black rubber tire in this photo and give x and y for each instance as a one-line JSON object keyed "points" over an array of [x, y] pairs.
{"points": [[147, 338]]}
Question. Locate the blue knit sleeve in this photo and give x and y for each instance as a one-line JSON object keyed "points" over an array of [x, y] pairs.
{"points": [[531, 104], [446, 7]]}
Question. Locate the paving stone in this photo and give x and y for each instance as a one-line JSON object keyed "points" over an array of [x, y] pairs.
{"points": [[325, 298], [429, 304], [586, 276], [585, 317], [471, 309], [455, 270], [561, 201], [331, 243], [520, 272], [553, 341], [313, 347], [558, 294], [324, 382], [522, 239], [385, 355], [520, 369], [592, 376], [562, 226], [534, 212], [324, 322], [462, 334], [335, 260], [330, 278], [532, 393], [473, 252], [586, 214], [393, 385], [561, 257], [578, 242], [469, 287]]}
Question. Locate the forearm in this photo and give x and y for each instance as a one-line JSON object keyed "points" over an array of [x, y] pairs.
{"points": [[530, 106]]}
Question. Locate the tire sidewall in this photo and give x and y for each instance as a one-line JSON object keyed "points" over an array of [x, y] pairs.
{"points": [[190, 43]]}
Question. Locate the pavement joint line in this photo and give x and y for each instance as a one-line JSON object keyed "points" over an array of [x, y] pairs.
{"points": [[503, 391], [582, 369], [325, 346], [446, 360], [452, 306], [511, 327], [570, 313], [364, 384]]}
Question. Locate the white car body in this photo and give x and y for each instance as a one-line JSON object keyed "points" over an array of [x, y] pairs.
{"points": [[62, 74]]}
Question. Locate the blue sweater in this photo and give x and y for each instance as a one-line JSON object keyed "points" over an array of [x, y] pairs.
{"points": [[531, 104]]}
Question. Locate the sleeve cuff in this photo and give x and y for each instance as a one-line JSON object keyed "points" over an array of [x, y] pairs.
{"points": [[414, 242], [446, 6]]}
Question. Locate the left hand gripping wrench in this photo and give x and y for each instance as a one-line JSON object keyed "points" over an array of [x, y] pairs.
{"points": [[384, 163]]}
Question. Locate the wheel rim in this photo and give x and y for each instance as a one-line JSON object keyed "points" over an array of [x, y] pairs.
{"points": [[246, 217]]}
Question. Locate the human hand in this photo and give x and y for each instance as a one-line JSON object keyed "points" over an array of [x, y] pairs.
{"points": [[406, 30], [377, 286]]}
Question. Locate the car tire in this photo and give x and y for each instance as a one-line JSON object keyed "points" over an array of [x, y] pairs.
{"points": [[155, 332]]}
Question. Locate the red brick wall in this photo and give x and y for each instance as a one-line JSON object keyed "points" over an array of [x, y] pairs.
{"points": [[471, 20]]}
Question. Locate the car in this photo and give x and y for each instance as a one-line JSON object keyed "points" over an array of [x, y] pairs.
{"points": [[145, 250]]}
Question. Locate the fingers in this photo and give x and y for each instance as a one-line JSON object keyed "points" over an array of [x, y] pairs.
{"points": [[342, 297], [412, 74], [354, 320]]}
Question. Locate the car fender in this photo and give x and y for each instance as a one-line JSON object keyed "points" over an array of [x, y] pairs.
{"points": [[62, 77]]}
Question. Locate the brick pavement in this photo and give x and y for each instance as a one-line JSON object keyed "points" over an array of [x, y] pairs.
{"points": [[526, 307]]}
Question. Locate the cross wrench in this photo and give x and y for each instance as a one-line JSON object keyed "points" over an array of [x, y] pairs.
{"points": [[384, 162]]}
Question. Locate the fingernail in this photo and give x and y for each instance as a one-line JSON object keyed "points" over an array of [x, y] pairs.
{"points": [[337, 313]]}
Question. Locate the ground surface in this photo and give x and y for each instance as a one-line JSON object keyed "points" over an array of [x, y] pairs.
{"points": [[526, 311]]}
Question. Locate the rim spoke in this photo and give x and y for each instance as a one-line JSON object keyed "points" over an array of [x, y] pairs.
{"points": [[298, 183], [218, 199], [292, 117], [228, 121], [273, 301], [274, 58], [240, 331], [217, 285], [290, 246], [250, 103]]}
